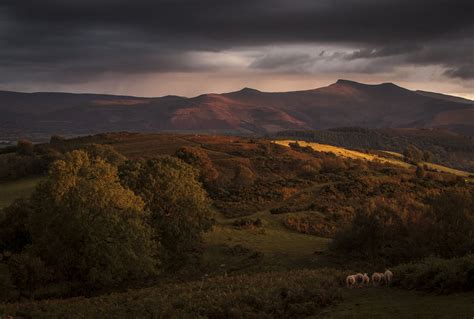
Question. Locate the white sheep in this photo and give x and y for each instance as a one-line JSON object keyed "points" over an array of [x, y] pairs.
{"points": [[359, 279], [388, 276], [366, 279], [378, 279], [351, 281]]}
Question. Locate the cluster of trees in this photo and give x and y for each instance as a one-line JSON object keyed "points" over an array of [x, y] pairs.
{"points": [[99, 220], [384, 233], [22, 160]]}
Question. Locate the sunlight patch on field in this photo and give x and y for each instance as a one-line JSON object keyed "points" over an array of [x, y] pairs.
{"points": [[343, 152], [445, 169]]}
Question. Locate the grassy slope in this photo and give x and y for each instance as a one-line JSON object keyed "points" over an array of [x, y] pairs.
{"points": [[281, 249], [271, 247], [10, 191], [340, 151], [394, 303], [275, 247]]}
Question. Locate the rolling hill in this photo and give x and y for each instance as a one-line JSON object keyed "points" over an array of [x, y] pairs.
{"points": [[344, 103]]}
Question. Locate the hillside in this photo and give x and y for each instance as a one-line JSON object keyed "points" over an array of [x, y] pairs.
{"points": [[344, 103], [440, 146], [277, 210]]}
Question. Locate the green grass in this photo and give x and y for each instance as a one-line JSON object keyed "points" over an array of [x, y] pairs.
{"points": [[9, 191], [271, 247], [394, 303]]}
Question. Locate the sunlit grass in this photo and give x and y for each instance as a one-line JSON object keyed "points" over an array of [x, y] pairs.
{"points": [[398, 161], [343, 152]]}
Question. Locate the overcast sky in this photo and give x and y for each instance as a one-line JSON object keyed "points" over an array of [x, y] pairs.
{"points": [[185, 47]]}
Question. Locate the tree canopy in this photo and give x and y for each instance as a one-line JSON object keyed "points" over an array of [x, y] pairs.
{"points": [[179, 206], [87, 226]]}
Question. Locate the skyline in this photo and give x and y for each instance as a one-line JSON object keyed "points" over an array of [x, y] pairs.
{"points": [[187, 48]]}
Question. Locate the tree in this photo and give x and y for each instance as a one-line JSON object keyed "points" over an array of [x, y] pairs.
{"points": [[179, 206], [420, 172], [200, 160], [452, 223], [378, 233], [25, 147], [428, 156], [105, 152], [56, 139], [87, 227], [413, 154]]}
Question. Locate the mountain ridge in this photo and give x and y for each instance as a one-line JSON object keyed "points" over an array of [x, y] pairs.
{"points": [[343, 103]]}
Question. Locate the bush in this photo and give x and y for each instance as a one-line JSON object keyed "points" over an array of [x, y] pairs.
{"points": [[246, 223], [437, 275]]}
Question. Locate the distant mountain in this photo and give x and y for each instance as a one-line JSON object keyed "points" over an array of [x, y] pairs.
{"points": [[344, 103]]}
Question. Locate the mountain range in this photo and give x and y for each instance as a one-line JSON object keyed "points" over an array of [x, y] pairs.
{"points": [[342, 104]]}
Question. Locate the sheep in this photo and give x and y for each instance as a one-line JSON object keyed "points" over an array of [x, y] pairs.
{"points": [[388, 276], [378, 279], [359, 279], [351, 281], [366, 279]]}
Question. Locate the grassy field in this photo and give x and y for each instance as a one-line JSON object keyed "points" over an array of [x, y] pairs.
{"points": [[270, 247], [9, 191], [393, 303]]}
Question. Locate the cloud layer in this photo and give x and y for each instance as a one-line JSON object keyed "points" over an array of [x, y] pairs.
{"points": [[72, 41]]}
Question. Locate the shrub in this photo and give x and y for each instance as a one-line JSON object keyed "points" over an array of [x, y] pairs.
{"points": [[248, 223], [437, 275]]}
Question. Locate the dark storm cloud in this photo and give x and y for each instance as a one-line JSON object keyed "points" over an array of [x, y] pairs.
{"points": [[74, 40]]}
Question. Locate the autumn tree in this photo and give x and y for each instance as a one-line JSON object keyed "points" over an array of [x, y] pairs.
{"points": [[87, 227], [451, 231], [413, 154], [179, 206], [200, 160]]}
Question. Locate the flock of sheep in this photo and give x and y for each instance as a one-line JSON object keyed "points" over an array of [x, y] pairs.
{"points": [[378, 278]]}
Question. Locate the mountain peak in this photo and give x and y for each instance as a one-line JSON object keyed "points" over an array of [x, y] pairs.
{"points": [[342, 81], [349, 82], [249, 90]]}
